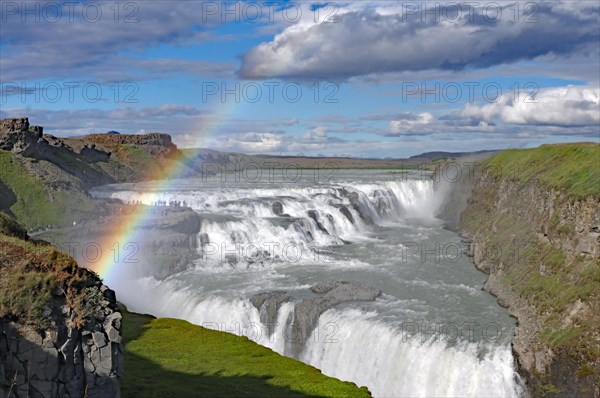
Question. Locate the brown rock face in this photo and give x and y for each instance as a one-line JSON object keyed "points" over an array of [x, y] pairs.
{"points": [[526, 236], [154, 143], [21, 124]]}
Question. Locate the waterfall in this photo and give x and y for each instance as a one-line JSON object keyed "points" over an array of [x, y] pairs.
{"points": [[251, 233], [350, 345], [249, 227]]}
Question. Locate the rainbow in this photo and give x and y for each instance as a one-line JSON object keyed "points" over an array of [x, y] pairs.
{"points": [[113, 244]]}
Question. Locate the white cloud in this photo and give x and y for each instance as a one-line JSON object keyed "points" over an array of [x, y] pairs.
{"points": [[317, 134], [250, 142], [409, 125], [73, 39], [374, 40], [562, 106]]}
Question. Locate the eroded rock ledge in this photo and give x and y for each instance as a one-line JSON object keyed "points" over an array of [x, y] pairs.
{"points": [[307, 311], [540, 248], [64, 361]]}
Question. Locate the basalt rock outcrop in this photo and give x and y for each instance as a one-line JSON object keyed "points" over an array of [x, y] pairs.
{"points": [[154, 143], [66, 341], [356, 204], [307, 311], [63, 361]]}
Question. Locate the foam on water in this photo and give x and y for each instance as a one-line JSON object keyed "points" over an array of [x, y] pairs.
{"points": [[351, 344]]}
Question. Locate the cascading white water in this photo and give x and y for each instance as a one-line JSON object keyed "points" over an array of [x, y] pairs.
{"points": [[396, 365], [256, 223], [350, 345], [245, 217]]}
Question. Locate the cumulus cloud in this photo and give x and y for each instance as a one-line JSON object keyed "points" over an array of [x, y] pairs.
{"points": [[563, 106], [317, 134], [383, 39], [409, 125], [251, 142]]}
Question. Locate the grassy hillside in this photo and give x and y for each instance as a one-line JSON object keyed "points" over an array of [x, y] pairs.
{"points": [[167, 357], [35, 204], [573, 168], [31, 272]]}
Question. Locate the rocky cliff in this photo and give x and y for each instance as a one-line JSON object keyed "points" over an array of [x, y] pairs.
{"points": [[533, 219], [154, 143], [60, 327], [43, 177]]}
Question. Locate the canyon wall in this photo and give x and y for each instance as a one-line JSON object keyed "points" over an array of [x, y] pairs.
{"points": [[533, 222]]}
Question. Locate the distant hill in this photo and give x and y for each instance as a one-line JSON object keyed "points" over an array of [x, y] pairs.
{"points": [[200, 158], [442, 154]]}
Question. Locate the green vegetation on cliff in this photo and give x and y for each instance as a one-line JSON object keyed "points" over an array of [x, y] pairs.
{"points": [[574, 168], [32, 276], [168, 357], [35, 204], [533, 220]]}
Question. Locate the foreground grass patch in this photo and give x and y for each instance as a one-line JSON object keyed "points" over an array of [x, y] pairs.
{"points": [[173, 358]]}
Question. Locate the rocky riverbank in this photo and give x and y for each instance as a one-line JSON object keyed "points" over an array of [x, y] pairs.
{"points": [[534, 227]]}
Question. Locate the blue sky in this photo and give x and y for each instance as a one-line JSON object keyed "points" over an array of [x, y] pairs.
{"points": [[373, 79]]}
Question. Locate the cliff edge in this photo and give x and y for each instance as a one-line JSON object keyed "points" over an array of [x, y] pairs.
{"points": [[60, 327], [533, 220], [43, 177]]}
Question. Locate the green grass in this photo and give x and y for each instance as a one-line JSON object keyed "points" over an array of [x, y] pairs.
{"points": [[574, 168], [560, 337], [35, 206], [173, 358], [29, 274]]}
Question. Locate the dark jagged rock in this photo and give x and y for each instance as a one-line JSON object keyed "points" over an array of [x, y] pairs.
{"points": [[344, 210], [268, 305], [315, 217], [307, 311], [74, 348], [354, 199], [277, 208], [66, 361], [13, 125], [238, 237], [39, 130], [303, 226], [153, 143], [94, 155]]}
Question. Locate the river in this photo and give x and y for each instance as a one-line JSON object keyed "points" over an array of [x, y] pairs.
{"points": [[432, 331]]}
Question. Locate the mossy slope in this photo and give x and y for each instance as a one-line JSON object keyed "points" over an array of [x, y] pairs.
{"points": [[168, 357]]}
